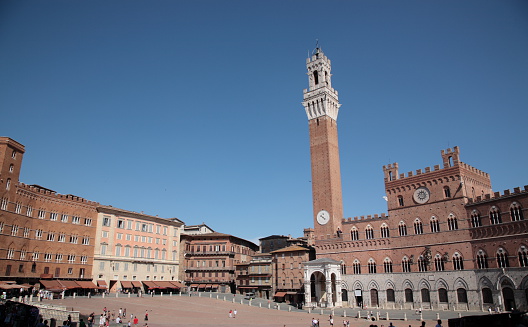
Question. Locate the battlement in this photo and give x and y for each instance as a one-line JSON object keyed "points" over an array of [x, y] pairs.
{"points": [[498, 195], [450, 158], [368, 217], [45, 191], [474, 170]]}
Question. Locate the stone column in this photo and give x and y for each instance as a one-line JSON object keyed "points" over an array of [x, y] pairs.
{"points": [[329, 296], [307, 293]]}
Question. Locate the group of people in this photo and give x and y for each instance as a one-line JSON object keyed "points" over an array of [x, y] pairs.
{"points": [[107, 316], [232, 313], [315, 322]]}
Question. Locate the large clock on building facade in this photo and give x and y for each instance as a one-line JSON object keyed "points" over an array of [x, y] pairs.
{"points": [[323, 217], [421, 195]]}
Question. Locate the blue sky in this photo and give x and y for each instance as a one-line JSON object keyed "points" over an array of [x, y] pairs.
{"points": [[192, 109]]}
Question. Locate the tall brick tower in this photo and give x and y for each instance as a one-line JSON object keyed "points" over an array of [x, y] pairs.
{"points": [[322, 106]]}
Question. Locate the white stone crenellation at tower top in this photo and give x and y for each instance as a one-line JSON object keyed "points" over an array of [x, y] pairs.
{"points": [[320, 99]]}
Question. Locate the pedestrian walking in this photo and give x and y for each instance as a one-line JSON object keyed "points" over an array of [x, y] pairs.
{"points": [[230, 313], [234, 313]]}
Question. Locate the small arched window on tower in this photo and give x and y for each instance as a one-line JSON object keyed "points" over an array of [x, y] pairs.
{"points": [[316, 77], [502, 258], [458, 262], [447, 192], [326, 78], [400, 201], [495, 216], [402, 228], [435, 225], [450, 161], [482, 260], [475, 219], [516, 212]]}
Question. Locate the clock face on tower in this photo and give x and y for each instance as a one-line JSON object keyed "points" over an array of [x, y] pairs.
{"points": [[421, 195], [323, 217]]}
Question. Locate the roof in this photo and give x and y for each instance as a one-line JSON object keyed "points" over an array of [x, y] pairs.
{"points": [[292, 248], [122, 212], [273, 237], [217, 235]]}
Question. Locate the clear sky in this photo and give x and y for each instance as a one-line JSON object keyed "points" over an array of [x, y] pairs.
{"points": [[192, 109]]}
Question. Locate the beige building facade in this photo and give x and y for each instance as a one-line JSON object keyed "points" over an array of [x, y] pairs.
{"points": [[132, 250]]}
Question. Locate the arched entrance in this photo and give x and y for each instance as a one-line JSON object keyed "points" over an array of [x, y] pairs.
{"points": [[322, 283]]}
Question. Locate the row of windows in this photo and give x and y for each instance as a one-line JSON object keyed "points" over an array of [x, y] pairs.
{"points": [[125, 266], [424, 264], [452, 224], [50, 236], [139, 226], [434, 224], [208, 263], [495, 216], [46, 270], [43, 214], [218, 248], [138, 252], [47, 257], [137, 238]]}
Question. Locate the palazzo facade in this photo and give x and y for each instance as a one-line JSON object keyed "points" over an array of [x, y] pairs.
{"points": [[448, 241]]}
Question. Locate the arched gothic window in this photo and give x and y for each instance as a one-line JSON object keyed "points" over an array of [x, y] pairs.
{"points": [[523, 256], [400, 201], [418, 227], [458, 262], [452, 222], [447, 192], [439, 262], [422, 264], [369, 232], [495, 216], [384, 230], [482, 260], [475, 219], [516, 212], [371, 266], [402, 228], [406, 265], [502, 259], [354, 234], [357, 267], [387, 265], [435, 225]]}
